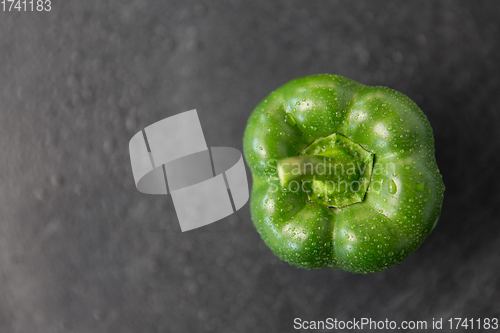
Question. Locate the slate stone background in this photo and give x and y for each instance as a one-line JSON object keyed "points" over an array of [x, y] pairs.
{"points": [[81, 250]]}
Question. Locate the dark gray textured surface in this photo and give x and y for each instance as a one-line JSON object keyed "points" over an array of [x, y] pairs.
{"points": [[81, 250]]}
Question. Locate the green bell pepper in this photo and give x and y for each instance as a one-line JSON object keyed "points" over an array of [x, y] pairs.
{"points": [[344, 175]]}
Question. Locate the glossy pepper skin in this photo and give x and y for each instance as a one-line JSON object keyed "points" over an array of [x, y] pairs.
{"points": [[319, 118]]}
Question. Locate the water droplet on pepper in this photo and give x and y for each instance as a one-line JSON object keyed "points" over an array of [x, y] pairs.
{"points": [[392, 187]]}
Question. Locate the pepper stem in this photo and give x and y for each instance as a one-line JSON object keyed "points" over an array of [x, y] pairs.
{"points": [[335, 171]]}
